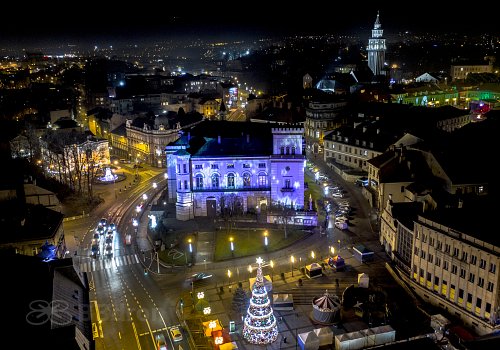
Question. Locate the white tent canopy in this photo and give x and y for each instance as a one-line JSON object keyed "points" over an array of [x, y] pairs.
{"points": [[309, 341], [325, 335]]}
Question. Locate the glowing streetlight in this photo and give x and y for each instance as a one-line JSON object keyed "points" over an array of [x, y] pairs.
{"points": [[190, 245], [313, 255], [332, 250], [272, 269], [155, 185], [231, 245], [229, 276], [266, 241], [292, 260]]}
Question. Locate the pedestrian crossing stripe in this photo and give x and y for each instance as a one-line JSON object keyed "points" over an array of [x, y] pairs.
{"points": [[102, 264]]}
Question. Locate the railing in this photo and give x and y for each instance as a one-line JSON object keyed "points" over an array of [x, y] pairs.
{"points": [[231, 189], [287, 189]]}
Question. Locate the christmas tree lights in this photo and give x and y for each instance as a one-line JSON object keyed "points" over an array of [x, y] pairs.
{"points": [[260, 324]]}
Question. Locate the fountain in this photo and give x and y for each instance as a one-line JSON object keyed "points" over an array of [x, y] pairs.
{"points": [[108, 176]]}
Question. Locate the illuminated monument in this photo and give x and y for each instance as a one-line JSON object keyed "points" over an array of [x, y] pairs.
{"points": [[234, 167], [376, 49]]}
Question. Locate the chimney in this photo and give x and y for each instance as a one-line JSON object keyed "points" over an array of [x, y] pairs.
{"points": [[218, 139], [248, 138], [460, 203]]}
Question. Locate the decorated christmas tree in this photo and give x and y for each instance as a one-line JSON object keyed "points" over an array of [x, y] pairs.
{"points": [[260, 324]]}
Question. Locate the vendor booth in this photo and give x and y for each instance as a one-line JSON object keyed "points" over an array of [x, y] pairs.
{"points": [[362, 253], [314, 270]]}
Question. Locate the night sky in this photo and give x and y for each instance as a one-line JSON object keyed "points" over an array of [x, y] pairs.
{"points": [[26, 24]]}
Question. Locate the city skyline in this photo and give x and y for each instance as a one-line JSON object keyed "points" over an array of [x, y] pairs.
{"points": [[120, 25]]}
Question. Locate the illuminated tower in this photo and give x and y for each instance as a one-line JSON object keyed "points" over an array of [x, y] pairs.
{"points": [[184, 204], [376, 49]]}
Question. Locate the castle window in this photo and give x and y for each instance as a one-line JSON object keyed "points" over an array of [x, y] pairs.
{"points": [[262, 180], [184, 168], [293, 150], [186, 185], [246, 165], [198, 166], [215, 181], [288, 183], [199, 181], [247, 180], [230, 180], [214, 166], [262, 165], [230, 166]]}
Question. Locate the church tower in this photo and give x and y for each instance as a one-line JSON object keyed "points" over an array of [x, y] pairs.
{"points": [[376, 49]]}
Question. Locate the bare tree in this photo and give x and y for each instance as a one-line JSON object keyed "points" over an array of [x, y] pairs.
{"points": [[284, 215]]}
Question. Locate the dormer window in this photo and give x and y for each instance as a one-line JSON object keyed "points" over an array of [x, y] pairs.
{"points": [[371, 144], [357, 142]]}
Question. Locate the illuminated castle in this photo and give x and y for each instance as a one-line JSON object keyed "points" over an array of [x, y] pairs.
{"points": [[235, 167], [376, 49]]}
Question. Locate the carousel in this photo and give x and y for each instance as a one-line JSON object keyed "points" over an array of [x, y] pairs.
{"points": [[326, 309]]}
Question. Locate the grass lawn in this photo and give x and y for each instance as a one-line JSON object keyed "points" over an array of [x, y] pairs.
{"points": [[251, 241], [174, 256], [316, 192]]}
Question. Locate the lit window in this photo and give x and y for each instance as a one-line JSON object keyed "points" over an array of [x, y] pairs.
{"points": [[230, 180]]}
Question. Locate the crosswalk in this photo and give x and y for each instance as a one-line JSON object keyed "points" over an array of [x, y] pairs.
{"points": [[90, 265]]}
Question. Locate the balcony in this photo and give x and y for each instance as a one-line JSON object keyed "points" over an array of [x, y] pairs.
{"points": [[231, 189], [287, 189]]}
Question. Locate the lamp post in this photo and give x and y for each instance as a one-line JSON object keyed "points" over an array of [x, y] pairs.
{"points": [[249, 271], [339, 244], [272, 269], [231, 245], [266, 241], [292, 260], [229, 276], [313, 255]]}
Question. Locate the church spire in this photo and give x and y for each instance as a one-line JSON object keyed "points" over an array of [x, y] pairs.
{"points": [[377, 21]]}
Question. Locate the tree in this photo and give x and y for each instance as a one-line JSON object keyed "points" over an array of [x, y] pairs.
{"points": [[284, 215], [260, 324]]}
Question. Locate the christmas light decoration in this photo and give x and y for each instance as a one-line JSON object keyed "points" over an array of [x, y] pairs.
{"points": [[260, 324]]}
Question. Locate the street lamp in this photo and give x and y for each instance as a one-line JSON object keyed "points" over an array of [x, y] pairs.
{"points": [[332, 250], [313, 255], [229, 276], [231, 245], [339, 244], [249, 271], [292, 260], [265, 239], [155, 185], [190, 246], [272, 269]]}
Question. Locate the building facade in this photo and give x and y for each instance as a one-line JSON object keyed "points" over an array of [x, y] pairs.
{"points": [[376, 49], [457, 270], [261, 169], [321, 117]]}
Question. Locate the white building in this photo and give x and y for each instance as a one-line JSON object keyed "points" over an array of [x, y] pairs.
{"points": [[222, 166]]}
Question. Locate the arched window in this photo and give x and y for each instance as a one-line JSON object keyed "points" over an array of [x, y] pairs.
{"points": [[247, 180], [293, 150], [199, 181], [282, 150], [262, 179], [287, 150], [230, 180], [215, 181]]}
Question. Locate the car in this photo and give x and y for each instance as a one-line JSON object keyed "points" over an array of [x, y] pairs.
{"points": [[161, 342], [95, 250], [109, 240], [112, 227], [103, 222], [176, 334], [109, 249], [199, 276], [100, 230], [96, 236]]}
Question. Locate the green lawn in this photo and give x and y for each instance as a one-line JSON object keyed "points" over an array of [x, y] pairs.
{"points": [[316, 191], [251, 241]]}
